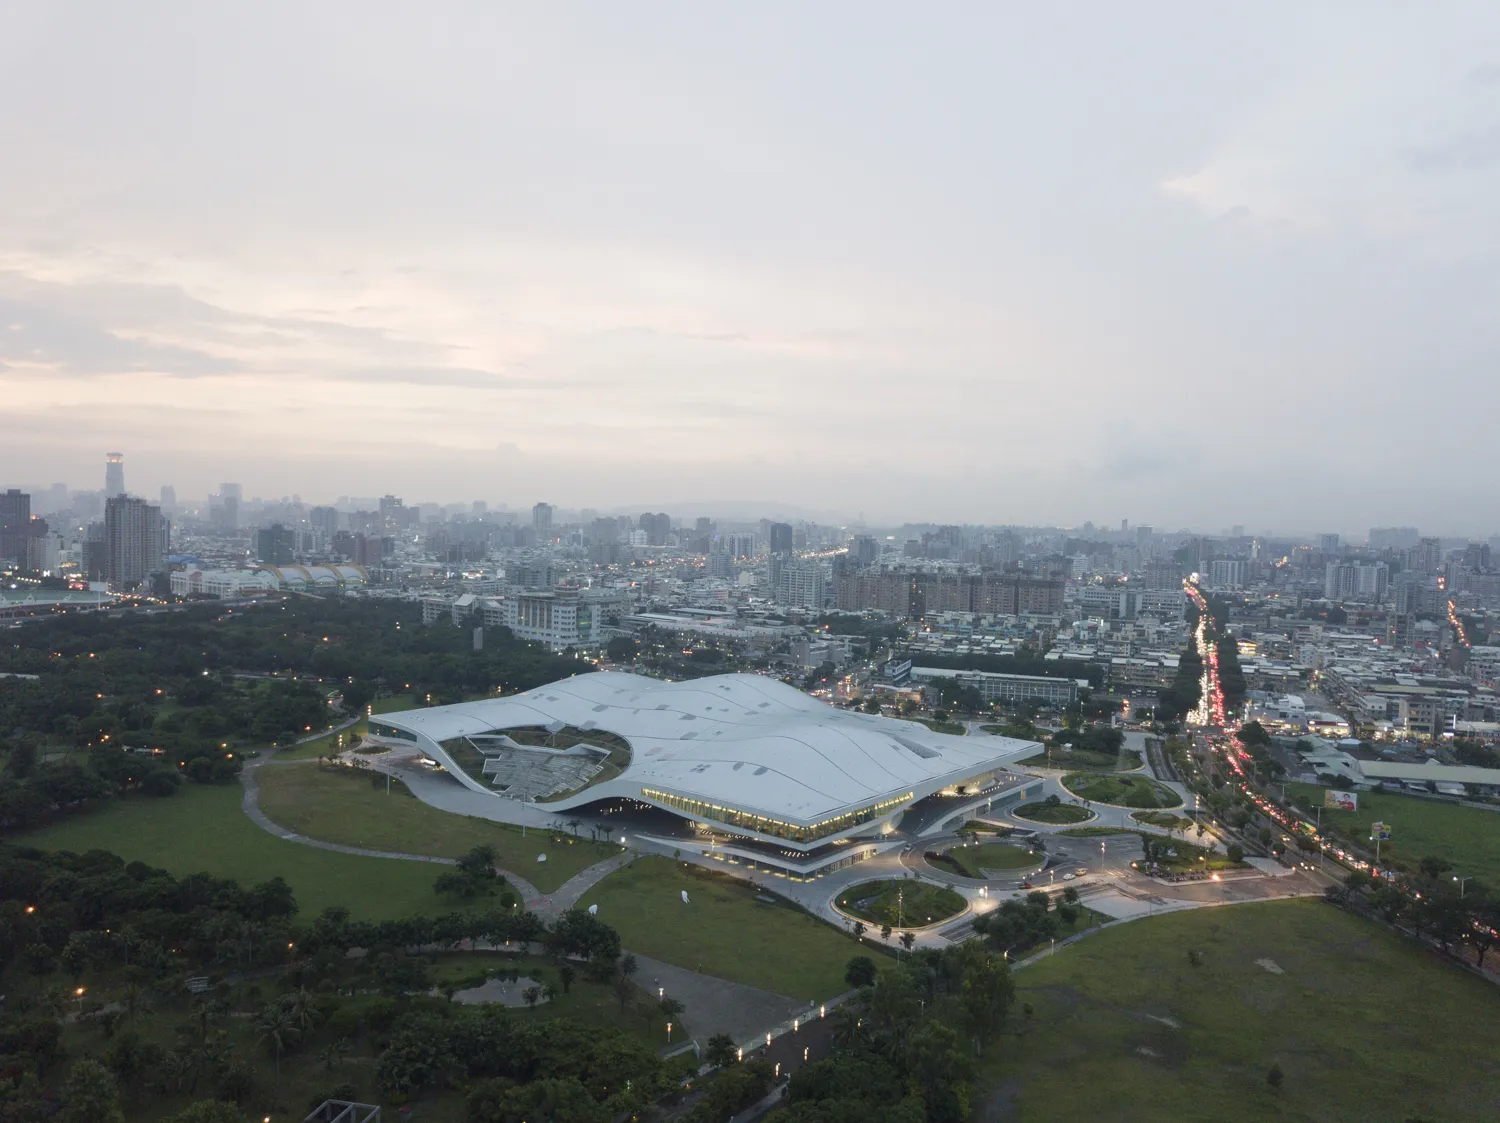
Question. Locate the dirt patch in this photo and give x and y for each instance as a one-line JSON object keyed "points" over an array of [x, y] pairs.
{"points": [[1146, 1051], [1165, 1020], [1270, 965]]}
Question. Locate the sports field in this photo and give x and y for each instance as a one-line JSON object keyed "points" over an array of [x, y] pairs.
{"points": [[723, 929], [339, 805], [1364, 1026], [203, 829], [1466, 836]]}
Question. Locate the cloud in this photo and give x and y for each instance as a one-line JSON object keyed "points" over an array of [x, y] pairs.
{"points": [[71, 346]]}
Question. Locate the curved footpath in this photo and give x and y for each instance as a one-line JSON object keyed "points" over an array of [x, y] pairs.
{"points": [[534, 900]]}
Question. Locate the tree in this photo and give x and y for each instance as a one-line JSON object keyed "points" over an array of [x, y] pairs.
{"points": [[565, 975], [721, 1051], [859, 930], [1275, 1077], [276, 1030], [91, 1095], [860, 972], [908, 940], [1236, 852], [885, 933], [1434, 867], [670, 1008]]}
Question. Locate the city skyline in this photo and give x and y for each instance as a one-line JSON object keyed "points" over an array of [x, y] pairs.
{"points": [[983, 269]]}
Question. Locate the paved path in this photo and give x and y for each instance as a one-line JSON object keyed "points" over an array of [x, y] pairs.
{"points": [[713, 1005]]}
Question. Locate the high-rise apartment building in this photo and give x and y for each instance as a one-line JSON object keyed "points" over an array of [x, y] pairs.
{"points": [[168, 500], [1328, 544], [1229, 573], [800, 584], [15, 519], [1426, 555], [864, 551], [541, 521], [114, 474], [135, 544], [1355, 581], [656, 527]]}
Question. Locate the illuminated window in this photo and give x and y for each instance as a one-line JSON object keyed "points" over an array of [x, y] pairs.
{"points": [[776, 828]]}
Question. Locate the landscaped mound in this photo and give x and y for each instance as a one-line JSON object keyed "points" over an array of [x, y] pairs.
{"points": [[1053, 810], [1124, 791], [901, 904], [973, 861]]}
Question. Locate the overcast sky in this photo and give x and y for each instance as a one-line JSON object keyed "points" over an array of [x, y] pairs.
{"points": [[1010, 263]]}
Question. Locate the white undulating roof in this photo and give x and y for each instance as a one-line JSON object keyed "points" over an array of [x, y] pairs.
{"points": [[741, 741]]}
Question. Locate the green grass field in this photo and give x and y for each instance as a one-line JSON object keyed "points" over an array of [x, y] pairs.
{"points": [[344, 807], [1364, 1026], [1466, 836], [1126, 791], [723, 930], [1085, 760], [202, 829], [893, 902], [1164, 819], [1044, 812], [994, 856]]}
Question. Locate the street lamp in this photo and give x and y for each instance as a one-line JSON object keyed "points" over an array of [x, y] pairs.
{"points": [[1461, 881]]}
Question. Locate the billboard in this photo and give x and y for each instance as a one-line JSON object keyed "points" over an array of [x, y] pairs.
{"points": [[1342, 801], [1381, 831]]}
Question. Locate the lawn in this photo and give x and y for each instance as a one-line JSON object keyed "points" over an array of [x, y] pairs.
{"points": [[723, 930], [974, 860], [1045, 811], [1123, 791], [340, 805], [1095, 832], [202, 829], [1364, 1026], [901, 903], [1085, 760], [1164, 819], [1466, 836]]}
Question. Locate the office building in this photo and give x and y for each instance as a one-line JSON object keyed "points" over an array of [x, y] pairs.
{"points": [[135, 544], [276, 545], [168, 500], [114, 474], [780, 535], [864, 550], [1328, 544]]}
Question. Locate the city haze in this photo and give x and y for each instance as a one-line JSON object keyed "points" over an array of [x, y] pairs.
{"points": [[991, 265]]}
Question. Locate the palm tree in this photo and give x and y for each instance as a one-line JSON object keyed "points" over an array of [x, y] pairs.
{"points": [[276, 1030], [303, 1011]]}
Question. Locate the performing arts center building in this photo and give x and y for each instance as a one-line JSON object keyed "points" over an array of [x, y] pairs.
{"points": [[765, 774]]}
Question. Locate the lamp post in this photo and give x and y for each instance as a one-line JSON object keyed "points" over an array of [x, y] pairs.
{"points": [[1461, 881]]}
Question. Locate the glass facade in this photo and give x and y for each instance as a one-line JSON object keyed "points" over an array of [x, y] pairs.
{"points": [[390, 732], [775, 828]]}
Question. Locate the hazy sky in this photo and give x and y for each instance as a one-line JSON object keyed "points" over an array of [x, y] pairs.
{"points": [[974, 262]]}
